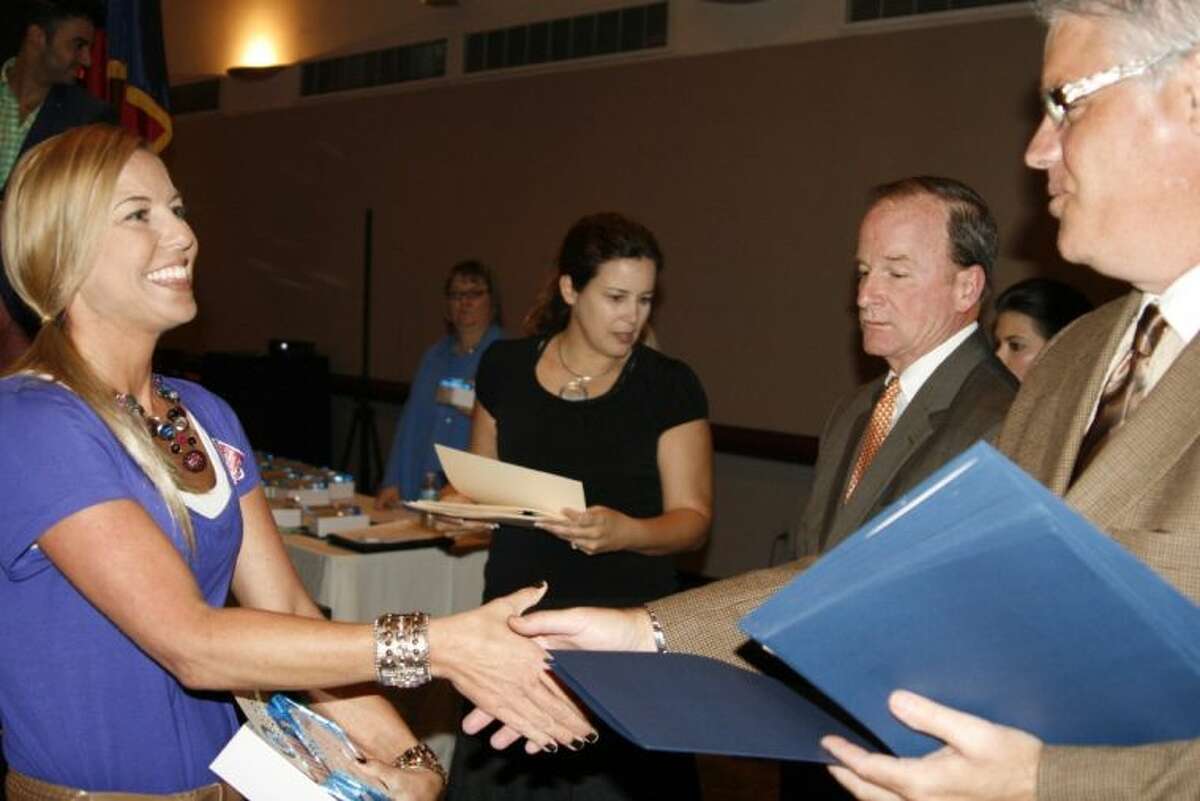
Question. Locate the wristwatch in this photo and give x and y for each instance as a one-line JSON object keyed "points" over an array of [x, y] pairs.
{"points": [[421, 757]]}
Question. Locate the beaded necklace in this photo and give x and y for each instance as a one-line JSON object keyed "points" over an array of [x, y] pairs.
{"points": [[173, 429]]}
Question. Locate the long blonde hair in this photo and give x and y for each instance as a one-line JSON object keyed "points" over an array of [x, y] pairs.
{"points": [[55, 213]]}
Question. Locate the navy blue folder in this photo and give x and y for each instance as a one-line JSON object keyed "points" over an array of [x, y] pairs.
{"points": [[980, 589], [689, 703]]}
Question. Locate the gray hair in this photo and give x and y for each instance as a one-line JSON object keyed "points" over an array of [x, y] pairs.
{"points": [[1147, 28]]}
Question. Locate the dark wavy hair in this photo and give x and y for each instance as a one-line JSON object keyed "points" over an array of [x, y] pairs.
{"points": [[591, 242], [1050, 304]]}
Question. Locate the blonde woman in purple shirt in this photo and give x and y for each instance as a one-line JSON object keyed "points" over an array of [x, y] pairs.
{"points": [[133, 509]]}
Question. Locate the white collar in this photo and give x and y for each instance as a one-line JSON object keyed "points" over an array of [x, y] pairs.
{"points": [[1179, 304], [917, 373]]}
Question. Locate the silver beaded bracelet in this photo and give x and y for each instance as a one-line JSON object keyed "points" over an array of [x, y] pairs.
{"points": [[402, 649]]}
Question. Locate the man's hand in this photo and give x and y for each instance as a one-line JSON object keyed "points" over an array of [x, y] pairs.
{"points": [[588, 628], [980, 761], [505, 675], [582, 628]]}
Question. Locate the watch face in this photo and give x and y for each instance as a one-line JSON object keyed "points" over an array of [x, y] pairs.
{"points": [[421, 757]]}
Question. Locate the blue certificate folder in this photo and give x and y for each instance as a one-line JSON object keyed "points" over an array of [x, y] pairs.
{"points": [[689, 703], [982, 590]]}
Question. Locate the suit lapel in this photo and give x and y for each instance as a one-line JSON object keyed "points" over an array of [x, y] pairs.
{"points": [[1072, 418], [843, 447], [1144, 448], [916, 425]]}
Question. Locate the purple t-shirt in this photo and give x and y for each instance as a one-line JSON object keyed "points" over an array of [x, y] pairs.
{"points": [[80, 704]]}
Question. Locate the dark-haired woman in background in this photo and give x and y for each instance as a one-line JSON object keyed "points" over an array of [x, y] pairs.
{"points": [[1028, 315], [584, 399]]}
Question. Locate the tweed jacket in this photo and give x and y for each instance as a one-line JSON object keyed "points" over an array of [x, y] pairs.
{"points": [[964, 400], [1142, 488]]}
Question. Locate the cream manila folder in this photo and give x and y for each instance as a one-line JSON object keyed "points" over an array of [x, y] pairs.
{"points": [[504, 493]]}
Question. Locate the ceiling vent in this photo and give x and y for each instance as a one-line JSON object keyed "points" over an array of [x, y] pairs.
{"points": [[604, 33], [413, 62], [867, 10]]}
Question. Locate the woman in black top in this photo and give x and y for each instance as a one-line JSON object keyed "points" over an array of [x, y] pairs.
{"points": [[582, 398]]}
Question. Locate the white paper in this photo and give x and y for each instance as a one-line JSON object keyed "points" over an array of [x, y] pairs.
{"points": [[492, 482], [260, 773]]}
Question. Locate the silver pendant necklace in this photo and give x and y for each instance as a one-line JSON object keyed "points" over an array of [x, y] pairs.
{"points": [[576, 388]]}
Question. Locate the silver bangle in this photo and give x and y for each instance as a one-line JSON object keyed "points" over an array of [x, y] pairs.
{"points": [[402, 649], [660, 640]]}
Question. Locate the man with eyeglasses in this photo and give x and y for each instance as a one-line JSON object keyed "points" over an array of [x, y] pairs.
{"points": [[1108, 416]]}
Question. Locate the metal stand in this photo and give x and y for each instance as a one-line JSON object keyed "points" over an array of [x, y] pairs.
{"points": [[362, 425]]}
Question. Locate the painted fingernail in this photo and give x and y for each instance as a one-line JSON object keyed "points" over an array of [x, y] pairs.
{"points": [[550, 748], [576, 744], [543, 584], [593, 736]]}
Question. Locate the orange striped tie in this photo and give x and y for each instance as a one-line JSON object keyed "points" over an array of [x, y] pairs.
{"points": [[876, 432]]}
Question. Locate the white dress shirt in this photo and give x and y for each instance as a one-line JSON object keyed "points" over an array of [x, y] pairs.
{"points": [[917, 373]]}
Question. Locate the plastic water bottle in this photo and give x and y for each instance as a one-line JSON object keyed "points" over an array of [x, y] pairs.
{"points": [[429, 492]]}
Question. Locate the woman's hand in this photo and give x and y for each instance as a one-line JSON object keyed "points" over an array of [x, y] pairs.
{"points": [[596, 530], [405, 784], [505, 674], [388, 498]]}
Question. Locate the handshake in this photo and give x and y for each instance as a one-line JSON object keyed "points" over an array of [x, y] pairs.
{"points": [[497, 656]]}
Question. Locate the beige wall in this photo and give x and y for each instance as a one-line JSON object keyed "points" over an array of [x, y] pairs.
{"points": [[206, 37], [751, 166]]}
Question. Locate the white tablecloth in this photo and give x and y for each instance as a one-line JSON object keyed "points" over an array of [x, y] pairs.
{"points": [[360, 587]]}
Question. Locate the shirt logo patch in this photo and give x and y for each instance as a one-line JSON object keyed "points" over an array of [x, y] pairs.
{"points": [[234, 461]]}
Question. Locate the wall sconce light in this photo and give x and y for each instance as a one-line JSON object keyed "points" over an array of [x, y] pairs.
{"points": [[260, 60]]}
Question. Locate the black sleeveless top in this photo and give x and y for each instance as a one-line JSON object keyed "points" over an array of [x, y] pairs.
{"points": [[610, 443]]}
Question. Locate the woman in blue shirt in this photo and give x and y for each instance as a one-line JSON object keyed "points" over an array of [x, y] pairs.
{"points": [[439, 404], [133, 512]]}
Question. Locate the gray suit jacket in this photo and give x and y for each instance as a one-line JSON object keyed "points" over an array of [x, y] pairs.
{"points": [[1143, 488], [963, 401]]}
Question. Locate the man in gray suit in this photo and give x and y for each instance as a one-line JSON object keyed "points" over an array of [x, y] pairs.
{"points": [[926, 248], [926, 251]]}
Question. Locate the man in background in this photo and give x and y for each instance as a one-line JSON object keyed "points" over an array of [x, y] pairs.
{"points": [[40, 97], [926, 250]]}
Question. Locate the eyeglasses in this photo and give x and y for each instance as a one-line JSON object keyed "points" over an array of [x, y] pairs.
{"points": [[1059, 100], [466, 294]]}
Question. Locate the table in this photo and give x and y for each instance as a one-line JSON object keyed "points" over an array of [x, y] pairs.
{"points": [[362, 586]]}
